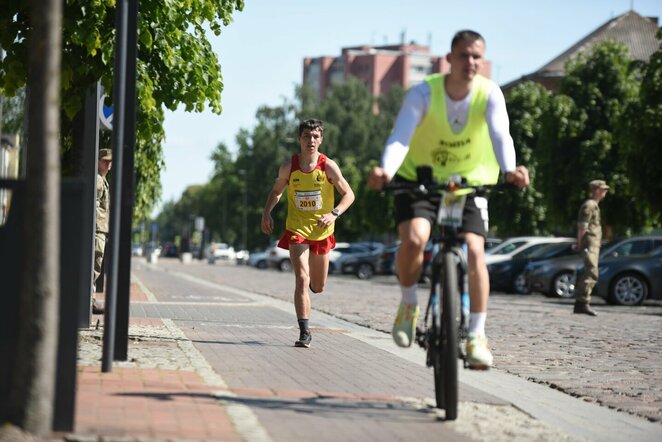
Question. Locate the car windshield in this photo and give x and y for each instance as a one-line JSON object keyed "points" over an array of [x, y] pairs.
{"points": [[505, 249], [550, 250], [529, 250]]}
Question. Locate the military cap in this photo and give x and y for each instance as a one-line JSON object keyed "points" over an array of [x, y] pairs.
{"points": [[105, 154], [598, 184]]}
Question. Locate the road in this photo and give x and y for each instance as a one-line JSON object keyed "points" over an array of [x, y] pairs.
{"points": [[613, 360]]}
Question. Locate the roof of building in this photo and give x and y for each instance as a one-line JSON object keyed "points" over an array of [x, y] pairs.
{"points": [[638, 33]]}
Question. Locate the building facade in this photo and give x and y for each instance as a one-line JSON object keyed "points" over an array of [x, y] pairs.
{"points": [[379, 67]]}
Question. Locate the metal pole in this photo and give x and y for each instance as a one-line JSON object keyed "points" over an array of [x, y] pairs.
{"points": [[128, 190], [119, 91]]}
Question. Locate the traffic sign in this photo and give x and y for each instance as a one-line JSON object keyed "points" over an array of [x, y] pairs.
{"points": [[105, 114]]}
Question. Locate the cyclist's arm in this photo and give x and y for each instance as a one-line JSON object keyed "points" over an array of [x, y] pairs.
{"points": [[413, 110], [277, 190], [498, 125], [342, 186]]}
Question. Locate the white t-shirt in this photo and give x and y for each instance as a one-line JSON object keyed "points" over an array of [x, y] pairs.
{"points": [[414, 108]]}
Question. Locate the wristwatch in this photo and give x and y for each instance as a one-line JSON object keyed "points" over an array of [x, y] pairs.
{"points": [[335, 212]]}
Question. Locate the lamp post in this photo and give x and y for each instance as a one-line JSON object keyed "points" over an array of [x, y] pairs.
{"points": [[244, 233]]}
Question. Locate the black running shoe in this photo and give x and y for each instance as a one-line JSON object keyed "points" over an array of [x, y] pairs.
{"points": [[304, 339]]}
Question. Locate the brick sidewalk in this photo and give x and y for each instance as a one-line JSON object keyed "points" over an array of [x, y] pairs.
{"points": [[152, 403], [143, 403]]}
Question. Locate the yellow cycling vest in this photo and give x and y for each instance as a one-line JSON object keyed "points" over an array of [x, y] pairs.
{"points": [[309, 195], [468, 153]]}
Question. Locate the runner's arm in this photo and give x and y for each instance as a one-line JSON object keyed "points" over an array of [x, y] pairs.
{"points": [[342, 186], [267, 223]]}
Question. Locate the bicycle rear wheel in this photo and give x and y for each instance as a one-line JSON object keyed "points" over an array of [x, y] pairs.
{"points": [[445, 362]]}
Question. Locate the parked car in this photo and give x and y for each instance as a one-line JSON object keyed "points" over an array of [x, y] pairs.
{"points": [[363, 265], [169, 250], [387, 260], [556, 277], [509, 275], [279, 258], [506, 250], [491, 243], [220, 251], [630, 280], [341, 252], [258, 260]]}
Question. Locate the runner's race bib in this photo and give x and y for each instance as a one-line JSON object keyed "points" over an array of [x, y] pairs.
{"points": [[451, 209], [308, 201]]}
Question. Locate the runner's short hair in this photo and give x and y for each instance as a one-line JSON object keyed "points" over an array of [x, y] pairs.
{"points": [[466, 35], [311, 124]]}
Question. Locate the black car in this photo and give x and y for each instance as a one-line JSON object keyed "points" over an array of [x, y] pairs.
{"points": [[509, 275], [363, 265], [555, 277], [630, 280]]}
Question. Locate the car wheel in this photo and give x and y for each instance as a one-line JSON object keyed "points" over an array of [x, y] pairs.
{"points": [[285, 265], [262, 264], [628, 289], [364, 271], [563, 285], [519, 285]]}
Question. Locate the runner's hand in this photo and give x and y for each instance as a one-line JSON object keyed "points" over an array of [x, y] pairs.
{"points": [[326, 220], [377, 178], [267, 223]]}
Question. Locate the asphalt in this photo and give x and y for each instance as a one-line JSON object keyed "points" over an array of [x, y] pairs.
{"points": [[211, 357]]}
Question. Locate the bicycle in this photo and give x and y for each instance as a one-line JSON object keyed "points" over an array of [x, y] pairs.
{"points": [[446, 319]]}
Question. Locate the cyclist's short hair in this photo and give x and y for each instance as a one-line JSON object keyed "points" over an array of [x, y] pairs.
{"points": [[311, 124], [466, 35]]}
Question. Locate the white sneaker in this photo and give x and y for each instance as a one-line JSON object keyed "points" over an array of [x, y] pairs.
{"points": [[404, 327], [479, 356]]}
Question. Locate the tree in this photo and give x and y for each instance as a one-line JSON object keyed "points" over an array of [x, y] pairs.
{"points": [[176, 66], [642, 138], [518, 213], [32, 392], [579, 139]]}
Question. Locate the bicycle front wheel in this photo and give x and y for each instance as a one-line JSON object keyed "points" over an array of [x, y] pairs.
{"points": [[445, 366]]}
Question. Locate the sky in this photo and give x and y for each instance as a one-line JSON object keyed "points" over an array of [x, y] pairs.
{"points": [[262, 51]]}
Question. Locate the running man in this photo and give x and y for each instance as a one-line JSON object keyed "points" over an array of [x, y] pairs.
{"points": [[458, 124], [310, 178]]}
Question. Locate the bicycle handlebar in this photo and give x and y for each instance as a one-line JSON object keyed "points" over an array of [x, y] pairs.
{"points": [[424, 189]]}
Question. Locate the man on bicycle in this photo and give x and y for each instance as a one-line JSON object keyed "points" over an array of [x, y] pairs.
{"points": [[458, 124], [310, 178]]}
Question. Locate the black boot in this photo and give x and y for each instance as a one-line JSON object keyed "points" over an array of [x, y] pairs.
{"points": [[583, 307]]}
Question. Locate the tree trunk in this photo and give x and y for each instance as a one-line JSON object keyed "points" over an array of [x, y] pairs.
{"points": [[33, 376]]}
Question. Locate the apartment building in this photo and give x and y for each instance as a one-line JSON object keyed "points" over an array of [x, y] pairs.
{"points": [[380, 67]]}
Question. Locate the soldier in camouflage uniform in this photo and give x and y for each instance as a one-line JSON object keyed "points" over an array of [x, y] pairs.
{"points": [[103, 206], [589, 236]]}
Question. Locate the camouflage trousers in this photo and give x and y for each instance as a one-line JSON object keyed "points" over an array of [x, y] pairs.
{"points": [[589, 276], [99, 246]]}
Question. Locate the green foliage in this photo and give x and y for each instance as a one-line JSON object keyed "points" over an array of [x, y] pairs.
{"points": [[176, 65], [579, 142], [522, 213], [642, 137]]}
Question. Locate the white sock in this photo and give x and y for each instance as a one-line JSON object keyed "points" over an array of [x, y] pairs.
{"points": [[409, 294], [477, 323]]}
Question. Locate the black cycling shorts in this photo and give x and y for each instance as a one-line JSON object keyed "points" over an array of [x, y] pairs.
{"points": [[475, 218]]}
